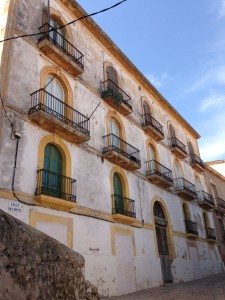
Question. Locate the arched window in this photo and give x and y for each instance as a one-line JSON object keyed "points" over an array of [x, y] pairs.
{"points": [[179, 171], [147, 113], [190, 148], [152, 152], [146, 108], [206, 221], [186, 213], [55, 95], [114, 133], [152, 158], [214, 191], [112, 74], [172, 131], [118, 194], [53, 165], [56, 35], [198, 184]]}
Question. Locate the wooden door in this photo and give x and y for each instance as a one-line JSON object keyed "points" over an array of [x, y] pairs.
{"points": [[162, 242]]}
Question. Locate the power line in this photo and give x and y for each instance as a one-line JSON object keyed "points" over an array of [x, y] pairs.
{"points": [[55, 29]]}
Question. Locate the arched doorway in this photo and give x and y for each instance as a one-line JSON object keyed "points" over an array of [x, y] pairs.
{"points": [[162, 242]]}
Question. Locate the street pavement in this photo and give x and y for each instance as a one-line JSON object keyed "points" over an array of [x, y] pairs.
{"points": [[208, 288]]}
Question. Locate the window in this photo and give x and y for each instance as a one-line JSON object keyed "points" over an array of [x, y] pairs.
{"points": [[186, 212], [114, 134], [53, 166], [118, 194], [190, 148], [57, 35], [147, 114], [198, 184], [146, 108], [178, 169], [111, 74], [55, 95], [206, 221], [214, 191], [171, 131]]}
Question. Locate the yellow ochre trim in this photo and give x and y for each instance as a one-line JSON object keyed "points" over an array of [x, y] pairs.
{"points": [[36, 217], [115, 230]]}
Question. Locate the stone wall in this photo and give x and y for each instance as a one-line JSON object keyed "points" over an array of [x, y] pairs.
{"points": [[35, 266]]}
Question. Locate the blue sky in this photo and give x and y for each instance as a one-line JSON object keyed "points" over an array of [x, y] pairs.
{"points": [[179, 45]]}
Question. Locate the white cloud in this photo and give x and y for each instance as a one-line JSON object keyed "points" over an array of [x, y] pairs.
{"points": [[211, 102], [157, 81], [222, 9], [212, 145], [214, 76]]}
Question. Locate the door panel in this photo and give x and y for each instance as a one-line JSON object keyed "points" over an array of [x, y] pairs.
{"points": [[163, 249], [125, 264]]}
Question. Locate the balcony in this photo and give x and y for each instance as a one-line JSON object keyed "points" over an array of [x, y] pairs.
{"points": [[121, 153], [205, 200], [184, 188], [211, 234], [123, 209], [152, 127], [57, 117], [220, 205], [55, 190], [159, 174], [196, 163], [191, 229], [178, 148], [116, 97], [62, 52]]}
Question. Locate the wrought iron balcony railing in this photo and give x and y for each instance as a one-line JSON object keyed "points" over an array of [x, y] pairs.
{"points": [[123, 206], [211, 233], [220, 203], [182, 184], [177, 143], [154, 167], [149, 120], [110, 89], [205, 197], [55, 185], [44, 101], [194, 159], [59, 40], [191, 227], [113, 142]]}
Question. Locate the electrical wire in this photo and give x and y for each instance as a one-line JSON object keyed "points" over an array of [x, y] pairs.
{"points": [[60, 27]]}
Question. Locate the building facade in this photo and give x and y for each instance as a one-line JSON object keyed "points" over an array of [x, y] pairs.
{"points": [[94, 156], [216, 183]]}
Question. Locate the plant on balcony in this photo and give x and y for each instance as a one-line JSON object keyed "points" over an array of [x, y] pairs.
{"points": [[116, 96]]}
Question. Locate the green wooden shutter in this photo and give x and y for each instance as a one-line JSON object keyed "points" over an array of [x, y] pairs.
{"points": [[52, 177], [118, 194]]}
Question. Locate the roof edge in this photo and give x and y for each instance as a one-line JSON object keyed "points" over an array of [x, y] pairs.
{"points": [[95, 28]]}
